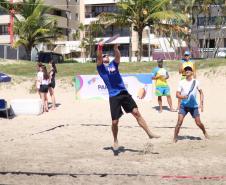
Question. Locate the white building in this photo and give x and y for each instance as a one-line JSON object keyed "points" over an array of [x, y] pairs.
{"points": [[90, 9], [70, 13], [66, 12]]}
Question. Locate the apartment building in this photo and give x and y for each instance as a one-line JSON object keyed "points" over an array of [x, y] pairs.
{"points": [[128, 40], [69, 15], [210, 31], [66, 12]]}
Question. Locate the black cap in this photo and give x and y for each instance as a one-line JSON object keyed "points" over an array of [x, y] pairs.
{"points": [[188, 68], [104, 55], [159, 60]]}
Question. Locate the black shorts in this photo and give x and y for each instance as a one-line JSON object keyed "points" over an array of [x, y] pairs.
{"points": [[43, 88], [52, 84], [125, 100]]}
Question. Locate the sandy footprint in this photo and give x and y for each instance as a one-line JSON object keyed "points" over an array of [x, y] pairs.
{"points": [[148, 148]]}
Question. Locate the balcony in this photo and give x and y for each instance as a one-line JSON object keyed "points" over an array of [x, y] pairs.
{"points": [[63, 4], [4, 19], [4, 39], [90, 2], [61, 21]]}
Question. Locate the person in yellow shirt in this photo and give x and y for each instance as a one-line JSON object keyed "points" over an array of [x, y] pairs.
{"points": [[185, 62], [160, 75]]}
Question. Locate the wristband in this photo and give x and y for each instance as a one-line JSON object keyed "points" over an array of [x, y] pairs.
{"points": [[99, 47]]}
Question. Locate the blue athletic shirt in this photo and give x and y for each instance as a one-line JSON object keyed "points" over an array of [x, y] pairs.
{"points": [[112, 78]]}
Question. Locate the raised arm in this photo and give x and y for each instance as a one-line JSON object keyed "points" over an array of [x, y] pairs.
{"points": [[117, 54], [100, 53]]}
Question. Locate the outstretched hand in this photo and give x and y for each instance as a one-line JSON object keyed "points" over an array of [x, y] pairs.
{"points": [[101, 43], [100, 47]]}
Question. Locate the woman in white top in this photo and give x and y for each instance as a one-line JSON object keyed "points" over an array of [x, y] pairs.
{"points": [[44, 83]]}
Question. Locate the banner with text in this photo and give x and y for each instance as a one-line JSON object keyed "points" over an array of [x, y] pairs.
{"points": [[93, 87]]}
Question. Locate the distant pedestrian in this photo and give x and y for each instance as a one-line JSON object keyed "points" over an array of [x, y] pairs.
{"points": [[52, 84]]}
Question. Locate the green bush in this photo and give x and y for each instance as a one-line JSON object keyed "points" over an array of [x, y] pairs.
{"points": [[69, 61]]}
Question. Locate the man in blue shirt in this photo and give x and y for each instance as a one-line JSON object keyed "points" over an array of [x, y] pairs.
{"points": [[118, 94]]}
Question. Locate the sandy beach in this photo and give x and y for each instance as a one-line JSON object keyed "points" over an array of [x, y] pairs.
{"points": [[72, 144]]}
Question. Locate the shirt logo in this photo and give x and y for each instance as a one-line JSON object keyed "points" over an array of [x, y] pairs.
{"points": [[111, 69]]}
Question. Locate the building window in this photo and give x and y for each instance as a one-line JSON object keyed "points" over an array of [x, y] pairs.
{"points": [[212, 43], [3, 12], [76, 16], [57, 12], [208, 43], [202, 21], [96, 10], [113, 30], [4, 30], [201, 43]]}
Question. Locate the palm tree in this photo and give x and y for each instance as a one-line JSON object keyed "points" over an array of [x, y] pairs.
{"points": [[139, 14], [5, 4], [33, 26], [88, 40]]}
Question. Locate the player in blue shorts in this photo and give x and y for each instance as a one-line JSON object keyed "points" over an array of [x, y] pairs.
{"points": [[187, 91], [118, 95], [161, 75]]}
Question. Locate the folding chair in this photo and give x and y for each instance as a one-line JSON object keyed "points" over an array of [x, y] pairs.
{"points": [[4, 107]]}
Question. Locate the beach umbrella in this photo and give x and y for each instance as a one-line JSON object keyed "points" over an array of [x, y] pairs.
{"points": [[4, 78]]}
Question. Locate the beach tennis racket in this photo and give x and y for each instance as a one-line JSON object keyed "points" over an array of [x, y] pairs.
{"points": [[112, 39], [192, 88], [109, 40]]}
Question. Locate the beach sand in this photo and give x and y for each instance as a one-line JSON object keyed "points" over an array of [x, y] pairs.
{"points": [[72, 144]]}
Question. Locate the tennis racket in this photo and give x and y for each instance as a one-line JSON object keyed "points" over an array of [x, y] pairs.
{"points": [[112, 39]]}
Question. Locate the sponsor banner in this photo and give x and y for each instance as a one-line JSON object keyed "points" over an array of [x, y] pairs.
{"points": [[93, 87]]}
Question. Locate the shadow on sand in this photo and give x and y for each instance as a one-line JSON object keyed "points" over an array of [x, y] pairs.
{"points": [[50, 105], [188, 138], [163, 108], [121, 149]]}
